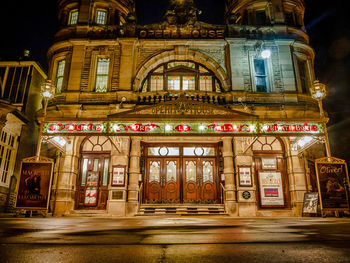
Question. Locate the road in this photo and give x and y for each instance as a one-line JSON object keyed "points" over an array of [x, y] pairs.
{"points": [[175, 239]]}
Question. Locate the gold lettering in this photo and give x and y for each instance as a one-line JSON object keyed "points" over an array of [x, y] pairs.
{"points": [[159, 33], [212, 33], [143, 33], [220, 33]]}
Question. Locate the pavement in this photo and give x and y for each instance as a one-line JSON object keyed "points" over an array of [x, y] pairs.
{"points": [[175, 239]]}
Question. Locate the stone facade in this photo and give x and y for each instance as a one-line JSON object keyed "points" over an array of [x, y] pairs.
{"points": [[229, 54]]}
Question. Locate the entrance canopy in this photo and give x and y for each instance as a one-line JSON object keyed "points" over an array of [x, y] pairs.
{"points": [[182, 117]]}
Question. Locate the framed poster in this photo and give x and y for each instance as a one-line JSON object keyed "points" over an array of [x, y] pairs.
{"points": [[310, 203], [332, 173], [268, 163], [34, 184], [91, 191], [271, 189], [245, 176], [118, 175]]}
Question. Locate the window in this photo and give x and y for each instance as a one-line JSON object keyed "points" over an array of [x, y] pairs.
{"points": [[59, 75], [261, 81], [73, 17], [14, 82], [7, 149], [101, 17], [181, 76], [260, 17], [289, 18], [102, 75], [304, 81]]}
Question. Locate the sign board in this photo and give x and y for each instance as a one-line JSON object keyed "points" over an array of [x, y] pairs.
{"points": [[271, 190], [34, 184], [245, 176], [332, 173], [118, 175], [310, 203]]}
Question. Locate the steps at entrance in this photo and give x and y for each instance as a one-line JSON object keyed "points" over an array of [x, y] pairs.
{"points": [[88, 213], [153, 210]]}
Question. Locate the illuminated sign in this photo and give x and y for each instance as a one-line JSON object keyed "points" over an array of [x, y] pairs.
{"points": [[182, 33], [291, 128], [75, 127], [181, 128], [186, 127]]}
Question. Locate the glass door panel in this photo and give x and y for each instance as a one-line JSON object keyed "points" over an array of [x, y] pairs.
{"points": [[190, 182], [171, 191]]}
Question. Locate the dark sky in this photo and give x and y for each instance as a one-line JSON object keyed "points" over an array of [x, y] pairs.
{"points": [[32, 24]]}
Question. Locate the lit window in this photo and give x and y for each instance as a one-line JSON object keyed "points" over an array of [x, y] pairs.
{"points": [[101, 17], [156, 83], [302, 68], [188, 83], [206, 83], [102, 75], [59, 75], [73, 17], [181, 76], [174, 82], [261, 81]]}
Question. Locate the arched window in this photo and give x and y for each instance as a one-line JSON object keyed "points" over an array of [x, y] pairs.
{"points": [[181, 76]]}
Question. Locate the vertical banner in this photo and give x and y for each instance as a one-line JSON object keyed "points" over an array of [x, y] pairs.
{"points": [[332, 174], [271, 189], [34, 185]]}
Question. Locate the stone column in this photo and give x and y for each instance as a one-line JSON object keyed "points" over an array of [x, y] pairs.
{"points": [[134, 172], [67, 175], [230, 185]]}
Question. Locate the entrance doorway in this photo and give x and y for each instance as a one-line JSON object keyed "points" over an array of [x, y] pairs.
{"points": [[92, 182], [181, 174]]}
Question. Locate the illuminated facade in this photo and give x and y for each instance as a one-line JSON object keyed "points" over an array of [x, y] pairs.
{"points": [[182, 115]]}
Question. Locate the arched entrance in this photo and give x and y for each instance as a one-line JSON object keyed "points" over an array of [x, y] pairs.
{"points": [[93, 178], [270, 172]]}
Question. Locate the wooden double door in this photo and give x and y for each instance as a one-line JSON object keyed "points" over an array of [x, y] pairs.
{"points": [[92, 182], [181, 180]]}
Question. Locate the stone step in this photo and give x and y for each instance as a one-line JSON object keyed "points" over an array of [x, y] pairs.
{"points": [[182, 210]]}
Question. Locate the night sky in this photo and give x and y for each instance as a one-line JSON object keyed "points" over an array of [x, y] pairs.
{"points": [[32, 24]]}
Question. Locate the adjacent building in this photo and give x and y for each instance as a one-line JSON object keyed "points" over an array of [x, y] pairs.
{"points": [[182, 115], [20, 99]]}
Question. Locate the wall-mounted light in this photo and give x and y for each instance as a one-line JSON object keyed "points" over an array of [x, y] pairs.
{"points": [[265, 54]]}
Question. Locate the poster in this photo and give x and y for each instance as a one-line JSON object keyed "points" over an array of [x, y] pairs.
{"points": [[118, 176], [91, 190], [271, 190], [310, 203], [34, 185], [245, 176], [331, 177], [268, 163]]}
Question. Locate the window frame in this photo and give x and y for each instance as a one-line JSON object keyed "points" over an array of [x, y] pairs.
{"points": [[71, 15], [101, 10], [181, 71], [57, 76], [269, 72], [308, 70], [8, 153], [96, 74]]}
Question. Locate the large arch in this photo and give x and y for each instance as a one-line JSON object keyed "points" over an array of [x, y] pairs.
{"points": [[182, 53]]}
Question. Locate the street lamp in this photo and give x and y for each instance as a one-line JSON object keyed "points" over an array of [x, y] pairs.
{"points": [[47, 91], [318, 92]]}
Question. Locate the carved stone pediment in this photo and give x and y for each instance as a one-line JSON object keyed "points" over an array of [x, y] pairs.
{"points": [[183, 108]]}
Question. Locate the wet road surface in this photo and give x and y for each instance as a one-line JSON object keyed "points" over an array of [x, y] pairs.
{"points": [[176, 239]]}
